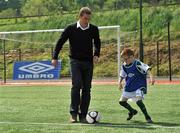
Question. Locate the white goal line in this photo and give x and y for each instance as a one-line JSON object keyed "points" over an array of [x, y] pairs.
{"points": [[97, 124]]}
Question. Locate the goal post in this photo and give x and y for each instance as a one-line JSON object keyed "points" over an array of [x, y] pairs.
{"points": [[31, 45], [117, 27]]}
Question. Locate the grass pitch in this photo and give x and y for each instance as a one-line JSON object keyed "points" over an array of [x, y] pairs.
{"points": [[45, 109]]}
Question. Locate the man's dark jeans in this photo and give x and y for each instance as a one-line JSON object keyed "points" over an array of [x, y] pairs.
{"points": [[81, 74]]}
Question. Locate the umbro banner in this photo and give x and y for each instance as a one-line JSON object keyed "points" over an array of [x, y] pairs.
{"points": [[28, 70]]}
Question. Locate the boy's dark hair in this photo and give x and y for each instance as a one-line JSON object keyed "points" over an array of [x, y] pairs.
{"points": [[127, 52], [84, 10]]}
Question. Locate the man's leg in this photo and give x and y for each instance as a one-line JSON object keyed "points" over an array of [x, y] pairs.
{"points": [[75, 90], [86, 89]]}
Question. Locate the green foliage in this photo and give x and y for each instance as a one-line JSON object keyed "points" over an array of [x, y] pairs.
{"points": [[154, 27], [156, 21], [106, 69], [8, 12], [41, 7], [83, 2], [58, 21], [99, 3], [176, 20], [13, 4], [34, 7], [127, 19]]}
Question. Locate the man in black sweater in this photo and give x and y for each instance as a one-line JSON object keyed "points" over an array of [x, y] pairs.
{"points": [[84, 52]]}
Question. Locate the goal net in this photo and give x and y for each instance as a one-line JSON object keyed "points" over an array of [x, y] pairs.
{"points": [[38, 45]]}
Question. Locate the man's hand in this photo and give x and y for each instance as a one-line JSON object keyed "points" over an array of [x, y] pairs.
{"points": [[95, 59], [54, 62]]}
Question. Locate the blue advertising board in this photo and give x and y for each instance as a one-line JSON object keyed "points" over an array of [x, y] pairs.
{"points": [[29, 70]]}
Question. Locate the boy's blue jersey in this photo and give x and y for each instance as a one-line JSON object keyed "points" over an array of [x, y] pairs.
{"points": [[135, 76]]}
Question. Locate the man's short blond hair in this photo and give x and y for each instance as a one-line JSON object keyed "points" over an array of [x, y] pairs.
{"points": [[84, 10]]}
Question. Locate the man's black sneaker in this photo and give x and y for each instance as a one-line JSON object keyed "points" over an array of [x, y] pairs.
{"points": [[83, 120], [131, 114]]}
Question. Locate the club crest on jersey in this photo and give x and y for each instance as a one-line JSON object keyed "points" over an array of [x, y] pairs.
{"points": [[130, 75]]}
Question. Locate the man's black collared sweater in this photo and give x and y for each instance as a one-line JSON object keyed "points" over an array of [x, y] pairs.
{"points": [[81, 42]]}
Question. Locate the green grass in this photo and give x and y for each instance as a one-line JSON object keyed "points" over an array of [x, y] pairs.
{"points": [[45, 109]]}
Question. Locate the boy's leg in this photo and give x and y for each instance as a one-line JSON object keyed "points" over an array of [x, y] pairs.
{"points": [[143, 109], [132, 112], [139, 102]]}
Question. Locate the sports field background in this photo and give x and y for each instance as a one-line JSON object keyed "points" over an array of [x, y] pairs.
{"points": [[45, 109]]}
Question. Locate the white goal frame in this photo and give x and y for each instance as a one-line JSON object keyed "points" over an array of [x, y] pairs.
{"points": [[117, 27]]}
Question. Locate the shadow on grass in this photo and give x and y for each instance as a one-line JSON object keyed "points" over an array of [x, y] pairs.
{"points": [[129, 125], [166, 124], [163, 124], [139, 125]]}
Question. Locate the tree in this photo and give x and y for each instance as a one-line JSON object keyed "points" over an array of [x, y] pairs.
{"points": [[156, 20], [3, 5], [58, 6], [83, 2], [7, 13], [100, 3], [12, 4], [34, 7]]}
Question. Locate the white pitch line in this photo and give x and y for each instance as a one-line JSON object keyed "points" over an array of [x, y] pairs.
{"points": [[80, 124]]}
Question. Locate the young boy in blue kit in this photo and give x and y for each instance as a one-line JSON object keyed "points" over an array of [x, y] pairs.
{"points": [[134, 72]]}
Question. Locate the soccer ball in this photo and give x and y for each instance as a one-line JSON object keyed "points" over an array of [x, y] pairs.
{"points": [[93, 117]]}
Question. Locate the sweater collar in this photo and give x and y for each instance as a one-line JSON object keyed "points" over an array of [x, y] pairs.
{"points": [[78, 25]]}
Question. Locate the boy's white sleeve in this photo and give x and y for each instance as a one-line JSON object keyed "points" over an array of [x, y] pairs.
{"points": [[122, 73], [143, 68]]}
